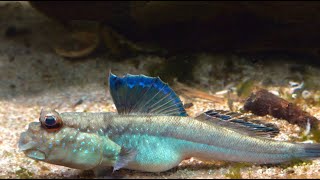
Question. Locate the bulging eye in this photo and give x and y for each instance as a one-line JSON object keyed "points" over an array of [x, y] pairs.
{"points": [[51, 122]]}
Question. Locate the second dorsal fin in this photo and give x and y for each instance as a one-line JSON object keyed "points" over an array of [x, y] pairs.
{"points": [[239, 123], [140, 94]]}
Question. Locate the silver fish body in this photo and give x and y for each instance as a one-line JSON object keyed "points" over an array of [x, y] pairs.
{"points": [[93, 140]]}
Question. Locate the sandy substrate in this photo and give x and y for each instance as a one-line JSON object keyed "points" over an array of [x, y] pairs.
{"points": [[32, 76]]}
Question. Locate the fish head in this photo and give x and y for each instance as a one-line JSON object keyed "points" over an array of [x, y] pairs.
{"points": [[54, 141]]}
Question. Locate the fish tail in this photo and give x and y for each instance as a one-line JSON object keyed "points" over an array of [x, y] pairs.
{"points": [[311, 150]]}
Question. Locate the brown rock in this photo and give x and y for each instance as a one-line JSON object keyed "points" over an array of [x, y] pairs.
{"points": [[263, 103]]}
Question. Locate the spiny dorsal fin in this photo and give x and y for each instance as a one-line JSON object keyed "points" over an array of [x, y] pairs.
{"points": [[140, 94], [238, 122]]}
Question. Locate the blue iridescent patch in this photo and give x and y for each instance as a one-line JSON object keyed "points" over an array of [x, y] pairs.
{"points": [[145, 95]]}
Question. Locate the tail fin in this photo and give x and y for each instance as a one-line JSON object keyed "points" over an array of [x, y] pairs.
{"points": [[311, 150]]}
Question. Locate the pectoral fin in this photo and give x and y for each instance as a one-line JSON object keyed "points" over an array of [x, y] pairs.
{"points": [[125, 156]]}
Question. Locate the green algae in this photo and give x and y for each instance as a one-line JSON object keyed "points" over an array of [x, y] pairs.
{"points": [[24, 173], [235, 171], [244, 89], [295, 162]]}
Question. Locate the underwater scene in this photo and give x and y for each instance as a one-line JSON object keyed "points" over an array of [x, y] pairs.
{"points": [[152, 89]]}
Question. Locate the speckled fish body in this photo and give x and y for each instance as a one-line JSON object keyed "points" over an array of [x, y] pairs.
{"points": [[160, 142], [154, 138]]}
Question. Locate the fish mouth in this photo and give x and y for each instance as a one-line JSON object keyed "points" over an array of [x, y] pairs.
{"points": [[25, 142], [30, 147]]}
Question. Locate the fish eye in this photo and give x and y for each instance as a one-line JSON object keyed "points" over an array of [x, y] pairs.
{"points": [[51, 122]]}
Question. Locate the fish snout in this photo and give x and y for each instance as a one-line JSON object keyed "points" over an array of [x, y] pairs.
{"points": [[34, 127], [29, 142], [25, 142]]}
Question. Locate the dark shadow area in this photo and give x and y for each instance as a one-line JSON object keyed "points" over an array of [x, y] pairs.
{"points": [[29, 65]]}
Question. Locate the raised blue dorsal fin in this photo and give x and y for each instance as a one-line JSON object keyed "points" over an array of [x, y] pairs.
{"points": [[140, 94]]}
